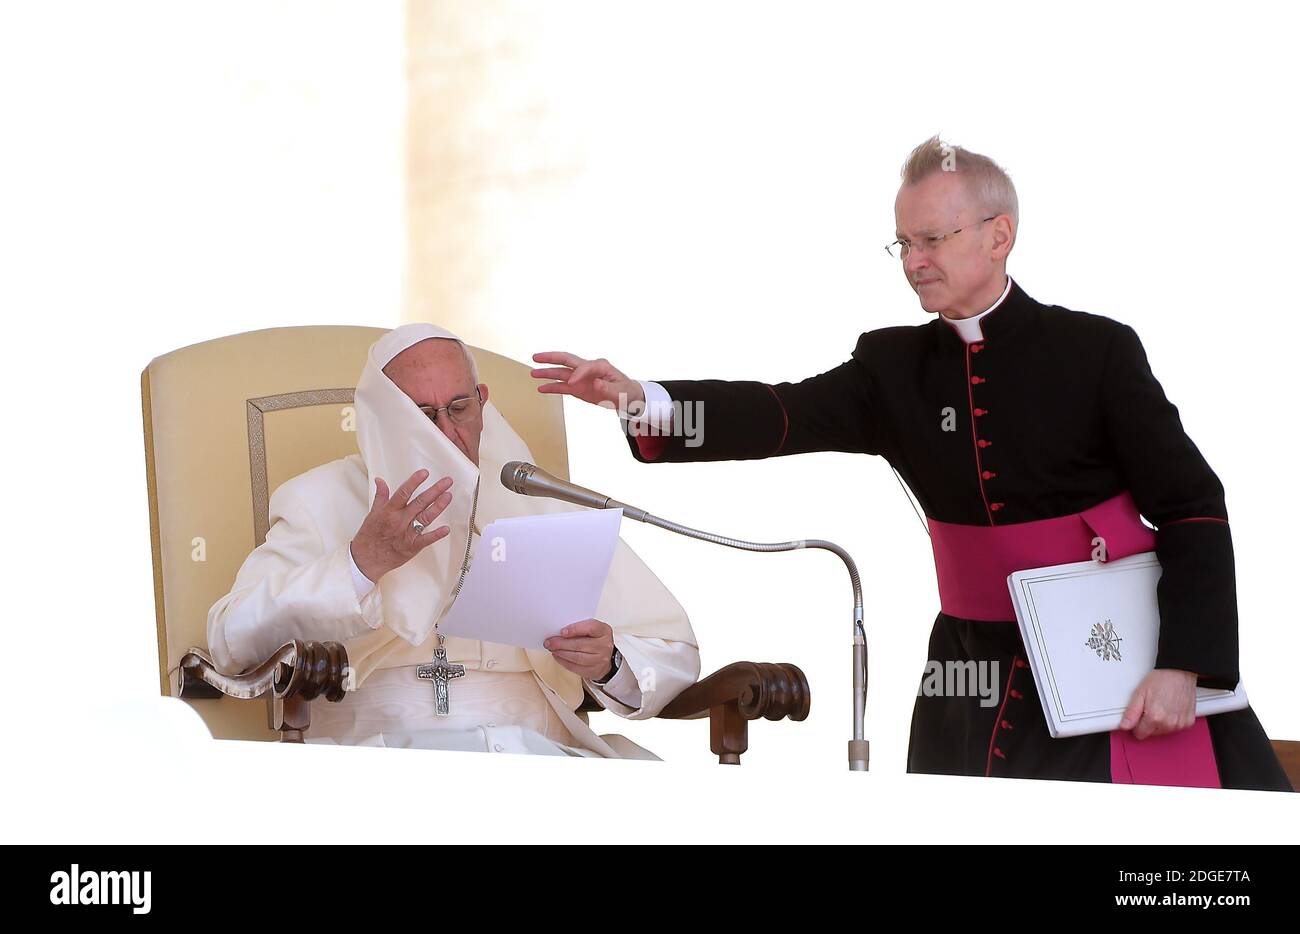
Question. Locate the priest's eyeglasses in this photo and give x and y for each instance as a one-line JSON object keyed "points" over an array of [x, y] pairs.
{"points": [[460, 410], [900, 249]]}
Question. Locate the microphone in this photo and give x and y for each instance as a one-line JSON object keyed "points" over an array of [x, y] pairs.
{"points": [[530, 480]]}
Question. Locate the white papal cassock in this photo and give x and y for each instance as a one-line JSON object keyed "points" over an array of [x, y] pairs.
{"points": [[301, 583]]}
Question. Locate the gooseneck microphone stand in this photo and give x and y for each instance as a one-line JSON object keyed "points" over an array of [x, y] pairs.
{"points": [[530, 480]]}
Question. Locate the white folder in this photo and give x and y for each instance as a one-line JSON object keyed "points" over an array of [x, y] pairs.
{"points": [[1090, 630]]}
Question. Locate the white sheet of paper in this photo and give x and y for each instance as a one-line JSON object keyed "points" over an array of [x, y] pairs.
{"points": [[533, 575]]}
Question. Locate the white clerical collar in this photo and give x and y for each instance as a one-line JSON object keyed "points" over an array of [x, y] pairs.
{"points": [[969, 328]]}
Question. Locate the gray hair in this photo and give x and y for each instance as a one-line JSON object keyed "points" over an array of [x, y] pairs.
{"points": [[987, 181]]}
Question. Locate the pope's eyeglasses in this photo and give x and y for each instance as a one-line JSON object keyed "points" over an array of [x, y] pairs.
{"points": [[460, 410]]}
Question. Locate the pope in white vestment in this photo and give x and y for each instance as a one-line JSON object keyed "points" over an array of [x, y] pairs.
{"points": [[345, 560]]}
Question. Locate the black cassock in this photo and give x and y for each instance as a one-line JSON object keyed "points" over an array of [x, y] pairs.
{"points": [[1055, 411]]}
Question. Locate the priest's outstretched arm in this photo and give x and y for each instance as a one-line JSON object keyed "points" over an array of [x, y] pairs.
{"points": [[711, 420]]}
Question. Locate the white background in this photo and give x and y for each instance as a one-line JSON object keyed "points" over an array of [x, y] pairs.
{"points": [[176, 172]]}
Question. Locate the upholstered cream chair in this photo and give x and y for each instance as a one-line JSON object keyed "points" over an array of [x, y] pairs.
{"points": [[226, 422]]}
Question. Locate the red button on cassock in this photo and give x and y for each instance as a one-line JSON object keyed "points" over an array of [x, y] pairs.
{"points": [[979, 412], [996, 506], [999, 753], [977, 380], [1007, 726], [983, 443], [988, 474], [1016, 694], [976, 348]]}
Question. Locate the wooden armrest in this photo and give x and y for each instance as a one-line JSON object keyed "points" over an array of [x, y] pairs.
{"points": [[296, 674], [774, 691], [733, 696], [741, 692]]}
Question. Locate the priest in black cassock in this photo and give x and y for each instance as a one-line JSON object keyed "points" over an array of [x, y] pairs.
{"points": [[1019, 427]]}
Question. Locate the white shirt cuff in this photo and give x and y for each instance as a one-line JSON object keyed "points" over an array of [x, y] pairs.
{"points": [[362, 583], [622, 687], [656, 415]]}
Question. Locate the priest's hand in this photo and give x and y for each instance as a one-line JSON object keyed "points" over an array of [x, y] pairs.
{"points": [[1165, 702], [594, 381], [387, 538], [585, 648]]}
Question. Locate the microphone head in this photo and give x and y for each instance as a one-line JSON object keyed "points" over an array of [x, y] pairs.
{"points": [[515, 474]]}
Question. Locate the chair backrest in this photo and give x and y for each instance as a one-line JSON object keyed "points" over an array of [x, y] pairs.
{"points": [[229, 420]]}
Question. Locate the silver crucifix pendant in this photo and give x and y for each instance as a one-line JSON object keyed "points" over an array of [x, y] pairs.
{"points": [[441, 673]]}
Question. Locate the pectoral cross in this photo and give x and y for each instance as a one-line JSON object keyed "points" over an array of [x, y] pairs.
{"points": [[441, 673]]}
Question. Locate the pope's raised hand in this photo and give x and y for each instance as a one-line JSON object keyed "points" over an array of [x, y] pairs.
{"points": [[585, 648], [388, 537], [596, 381]]}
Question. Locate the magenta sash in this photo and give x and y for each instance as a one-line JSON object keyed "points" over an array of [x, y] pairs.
{"points": [[973, 562]]}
